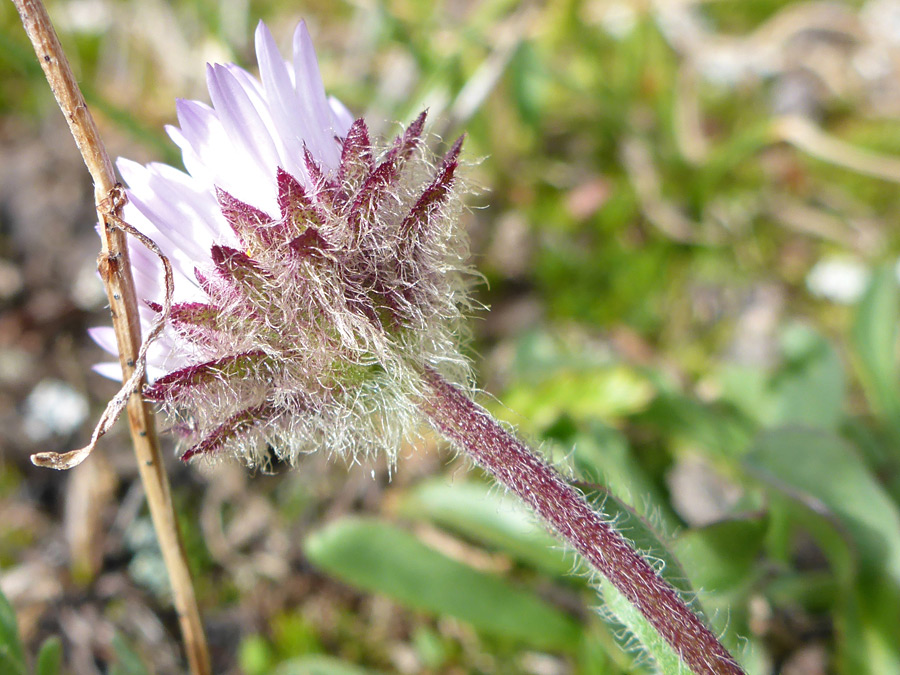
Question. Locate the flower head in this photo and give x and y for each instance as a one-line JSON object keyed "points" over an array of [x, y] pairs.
{"points": [[316, 272]]}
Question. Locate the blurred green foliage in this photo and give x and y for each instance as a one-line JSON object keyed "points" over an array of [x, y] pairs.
{"points": [[669, 333], [13, 660]]}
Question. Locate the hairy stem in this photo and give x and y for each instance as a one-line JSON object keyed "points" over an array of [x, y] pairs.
{"points": [[115, 269], [508, 460]]}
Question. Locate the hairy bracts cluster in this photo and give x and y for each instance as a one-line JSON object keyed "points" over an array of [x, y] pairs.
{"points": [[317, 272], [317, 326]]}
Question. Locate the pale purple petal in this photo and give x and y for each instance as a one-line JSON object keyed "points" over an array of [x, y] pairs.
{"points": [[251, 85], [189, 156], [202, 129], [105, 337], [109, 369], [113, 371], [190, 216], [283, 102], [254, 152], [341, 118], [311, 93], [257, 96], [253, 127], [162, 354], [223, 167], [162, 211], [147, 273]]}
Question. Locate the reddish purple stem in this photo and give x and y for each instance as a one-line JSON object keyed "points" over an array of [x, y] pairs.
{"points": [[516, 467]]}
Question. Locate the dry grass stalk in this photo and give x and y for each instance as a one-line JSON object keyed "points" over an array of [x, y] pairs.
{"points": [[115, 270]]}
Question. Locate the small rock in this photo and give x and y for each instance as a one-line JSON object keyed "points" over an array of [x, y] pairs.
{"points": [[53, 408]]}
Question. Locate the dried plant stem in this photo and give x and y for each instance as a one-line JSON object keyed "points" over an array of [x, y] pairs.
{"points": [[115, 270], [475, 432], [803, 134]]}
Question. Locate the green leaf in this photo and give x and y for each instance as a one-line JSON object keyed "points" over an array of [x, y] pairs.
{"points": [[665, 658], [584, 394], [9, 664], [604, 455], [715, 430], [786, 515], [475, 511], [127, 660], [597, 658], [551, 378], [875, 341], [255, 655], [49, 658], [718, 170], [12, 655], [722, 559], [724, 554], [294, 634], [747, 389], [319, 665], [868, 623], [644, 539], [529, 83], [381, 558], [815, 591], [817, 467], [430, 647], [488, 517], [790, 512], [809, 389]]}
